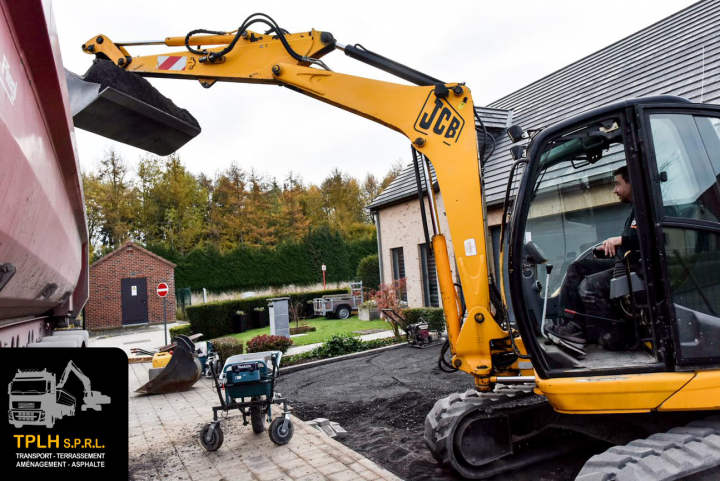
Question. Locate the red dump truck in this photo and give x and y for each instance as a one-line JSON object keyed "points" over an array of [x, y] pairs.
{"points": [[43, 234]]}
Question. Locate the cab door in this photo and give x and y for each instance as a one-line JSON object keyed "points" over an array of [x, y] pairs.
{"points": [[682, 147]]}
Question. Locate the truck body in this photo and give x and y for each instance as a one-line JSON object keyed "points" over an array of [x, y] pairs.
{"points": [[43, 233], [35, 399]]}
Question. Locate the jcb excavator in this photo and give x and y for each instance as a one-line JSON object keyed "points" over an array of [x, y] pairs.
{"points": [[535, 398]]}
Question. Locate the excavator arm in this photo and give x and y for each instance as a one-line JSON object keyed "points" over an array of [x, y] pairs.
{"points": [[91, 399], [71, 367], [438, 118]]}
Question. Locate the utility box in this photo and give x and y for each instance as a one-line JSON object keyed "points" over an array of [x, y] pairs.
{"points": [[279, 316]]}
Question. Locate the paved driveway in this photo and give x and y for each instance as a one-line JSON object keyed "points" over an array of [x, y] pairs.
{"points": [[164, 444]]}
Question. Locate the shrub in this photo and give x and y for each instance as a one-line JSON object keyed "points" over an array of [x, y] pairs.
{"points": [[185, 330], [339, 345], [302, 329], [227, 346], [180, 314], [434, 316], [369, 271], [214, 319], [388, 296], [269, 343]]}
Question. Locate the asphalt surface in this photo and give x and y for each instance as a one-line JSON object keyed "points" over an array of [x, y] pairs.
{"points": [[382, 401]]}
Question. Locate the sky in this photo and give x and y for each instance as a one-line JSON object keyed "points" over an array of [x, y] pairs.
{"points": [[495, 47]]}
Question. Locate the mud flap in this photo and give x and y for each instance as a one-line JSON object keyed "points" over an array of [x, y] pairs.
{"points": [[118, 116], [181, 373]]}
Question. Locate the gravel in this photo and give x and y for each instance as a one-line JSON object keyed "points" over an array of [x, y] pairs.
{"points": [[382, 401]]}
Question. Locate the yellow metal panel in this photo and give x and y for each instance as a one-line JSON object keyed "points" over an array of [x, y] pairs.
{"points": [[703, 392], [622, 393]]}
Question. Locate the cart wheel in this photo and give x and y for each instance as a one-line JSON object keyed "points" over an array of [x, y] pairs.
{"points": [[256, 417], [216, 439], [343, 312], [277, 435]]}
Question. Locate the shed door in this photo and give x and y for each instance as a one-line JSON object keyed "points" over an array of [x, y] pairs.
{"points": [[134, 301]]}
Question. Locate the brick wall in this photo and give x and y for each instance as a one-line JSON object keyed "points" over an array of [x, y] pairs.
{"points": [[104, 307], [401, 226]]}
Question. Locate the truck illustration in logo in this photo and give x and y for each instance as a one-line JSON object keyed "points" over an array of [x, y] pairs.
{"points": [[36, 400]]}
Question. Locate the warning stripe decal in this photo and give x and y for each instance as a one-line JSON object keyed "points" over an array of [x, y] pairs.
{"points": [[171, 63]]}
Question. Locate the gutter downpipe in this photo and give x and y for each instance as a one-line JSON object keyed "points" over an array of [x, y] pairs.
{"points": [[376, 217]]}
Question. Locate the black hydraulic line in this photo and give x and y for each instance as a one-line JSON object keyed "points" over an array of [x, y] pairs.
{"points": [[358, 52], [443, 365], [416, 164]]}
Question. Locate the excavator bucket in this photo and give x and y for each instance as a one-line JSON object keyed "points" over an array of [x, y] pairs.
{"points": [[181, 373], [122, 106]]}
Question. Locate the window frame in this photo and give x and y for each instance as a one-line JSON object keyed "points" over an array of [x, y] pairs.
{"points": [[663, 221]]}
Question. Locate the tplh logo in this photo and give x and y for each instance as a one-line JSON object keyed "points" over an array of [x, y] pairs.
{"points": [[67, 410], [440, 118]]}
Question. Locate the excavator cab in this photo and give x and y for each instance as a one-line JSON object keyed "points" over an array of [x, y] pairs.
{"points": [[664, 293]]}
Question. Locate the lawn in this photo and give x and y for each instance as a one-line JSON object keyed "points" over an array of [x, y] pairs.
{"points": [[325, 329]]}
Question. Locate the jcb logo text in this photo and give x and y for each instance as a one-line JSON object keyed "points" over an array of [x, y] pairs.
{"points": [[440, 118]]}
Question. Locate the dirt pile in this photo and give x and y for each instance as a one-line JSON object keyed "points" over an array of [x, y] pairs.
{"points": [[382, 401], [107, 74]]}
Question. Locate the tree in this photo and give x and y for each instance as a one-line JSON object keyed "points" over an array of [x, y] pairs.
{"points": [[260, 218], [292, 222], [93, 191], [228, 214], [116, 200], [392, 174], [369, 272], [182, 201], [342, 201]]}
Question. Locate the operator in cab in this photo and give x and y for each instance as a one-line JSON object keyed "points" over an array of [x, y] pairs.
{"points": [[586, 287]]}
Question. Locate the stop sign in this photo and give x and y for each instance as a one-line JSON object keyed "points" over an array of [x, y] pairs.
{"points": [[162, 289]]}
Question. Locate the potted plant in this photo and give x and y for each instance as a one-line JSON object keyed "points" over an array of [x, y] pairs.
{"points": [[368, 311], [240, 321], [261, 317]]}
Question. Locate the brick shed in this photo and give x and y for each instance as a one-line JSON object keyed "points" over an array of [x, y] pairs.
{"points": [[122, 289]]}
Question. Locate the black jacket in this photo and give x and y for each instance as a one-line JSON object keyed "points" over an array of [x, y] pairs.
{"points": [[630, 239]]}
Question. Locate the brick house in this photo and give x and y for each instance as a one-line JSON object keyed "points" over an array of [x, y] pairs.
{"points": [[123, 289], [664, 58]]}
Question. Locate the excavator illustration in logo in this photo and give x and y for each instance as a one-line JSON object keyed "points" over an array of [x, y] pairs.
{"points": [[37, 400]]}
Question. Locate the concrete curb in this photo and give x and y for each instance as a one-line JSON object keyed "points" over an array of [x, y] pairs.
{"points": [[330, 360]]}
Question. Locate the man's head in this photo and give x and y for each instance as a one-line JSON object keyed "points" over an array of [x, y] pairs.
{"points": [[622, 185]]}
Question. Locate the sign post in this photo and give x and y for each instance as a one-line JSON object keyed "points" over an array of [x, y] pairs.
{"points": [[162, 291], [324, 269]]}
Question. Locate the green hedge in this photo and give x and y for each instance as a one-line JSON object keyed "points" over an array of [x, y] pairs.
{"points": [[369, 271], [185, 330], [245, 267], [214, 319], [433, 316]]}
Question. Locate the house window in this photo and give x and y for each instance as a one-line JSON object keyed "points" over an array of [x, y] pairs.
{"points": [[429, 275], [398, 265]]}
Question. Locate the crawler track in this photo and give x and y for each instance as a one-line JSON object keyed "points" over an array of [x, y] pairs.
{"points": [[676, 454], [480, 435]]}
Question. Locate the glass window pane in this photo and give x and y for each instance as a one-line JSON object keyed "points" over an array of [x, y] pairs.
{"points": [[693, 261], [686, 152]]}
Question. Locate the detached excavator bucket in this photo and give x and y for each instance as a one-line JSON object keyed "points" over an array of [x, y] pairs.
{"points": [[181, 373], [122, 106]]}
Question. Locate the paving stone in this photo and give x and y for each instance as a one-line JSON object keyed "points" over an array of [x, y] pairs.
{"points": [[334, 467], [346, 475], [369, 475], [323, 460]]}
